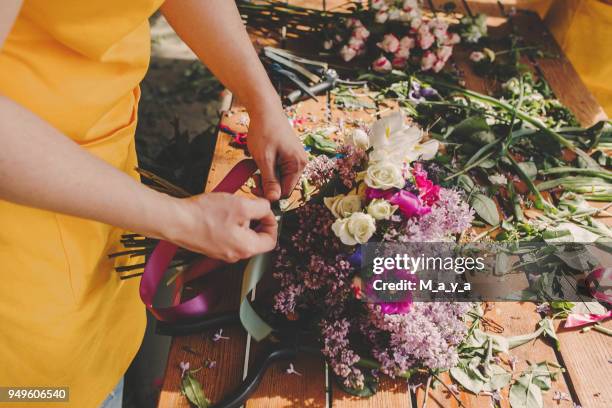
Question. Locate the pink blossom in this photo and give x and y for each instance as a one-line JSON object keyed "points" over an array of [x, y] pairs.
{"points": [[356, 43], [438, 65], [426, 39], [429, 59], [381, 16], [410, 4], [416, 23], [379, 4], [382, 64], [409, 204], [477, 56], [347, 53], [399, 61], [428, 191], [361, 33], [353, 22], [328, 44], [443, 53], [452, 39], [390, 43], [403, 53], [393, 308], [407, 42]]}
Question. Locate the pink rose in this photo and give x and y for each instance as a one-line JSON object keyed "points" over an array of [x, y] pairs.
{"points": [[438, 65], [410, 4], [429, 59], [353, 22], [382, 64], [399, 62], [381, 16], [444, 53], [407, 42], [390, 43], [403, 53], [452, 39], [416, 23], [361, 32], [379, 4], [347, 53], [356, 43], [477, 56], [426, 39]]}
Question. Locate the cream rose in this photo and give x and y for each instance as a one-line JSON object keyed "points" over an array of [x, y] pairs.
{"points": [[384, 175], [343, 206], [358, 138], [381, 209], [356, 229]]}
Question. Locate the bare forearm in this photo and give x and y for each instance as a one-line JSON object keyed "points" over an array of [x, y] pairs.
{"points": [[40, 167], [214, 31]]}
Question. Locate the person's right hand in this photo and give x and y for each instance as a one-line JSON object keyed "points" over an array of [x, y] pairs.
{"points": [[218, 225]]}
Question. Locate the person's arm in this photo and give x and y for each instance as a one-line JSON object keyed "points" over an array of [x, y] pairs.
{"points": [[213, 29], [41, 167]]}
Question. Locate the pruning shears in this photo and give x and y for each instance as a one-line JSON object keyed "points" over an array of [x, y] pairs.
{"points": [[311, 77]]}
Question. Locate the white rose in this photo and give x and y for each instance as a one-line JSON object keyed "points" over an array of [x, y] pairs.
{"points": [[343, 206], [381, 209], [384, 175], [356, 229], [358, 138]]}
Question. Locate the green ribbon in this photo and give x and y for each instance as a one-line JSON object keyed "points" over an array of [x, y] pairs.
{"points": [[249, 318]]}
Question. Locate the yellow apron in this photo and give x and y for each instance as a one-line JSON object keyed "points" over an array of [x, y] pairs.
{"points": [[583, 29], [65, 317]]}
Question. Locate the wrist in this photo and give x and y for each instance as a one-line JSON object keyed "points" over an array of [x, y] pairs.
{"points": [[263, 102]]}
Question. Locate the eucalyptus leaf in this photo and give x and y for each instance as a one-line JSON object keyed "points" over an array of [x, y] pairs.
{"points": [[521, 339], [485, 208], [549, 330], [498, 378], [467, 378], [524, 393], [192, 389]]}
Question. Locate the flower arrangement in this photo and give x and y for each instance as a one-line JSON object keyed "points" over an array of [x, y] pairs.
{"points": [[377, 187], [399, 33]]}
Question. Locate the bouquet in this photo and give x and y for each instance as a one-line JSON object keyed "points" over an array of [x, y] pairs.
{"points": [[376, 187]]}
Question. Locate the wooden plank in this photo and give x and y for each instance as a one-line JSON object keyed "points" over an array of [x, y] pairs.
{"points": [[558, 71]]}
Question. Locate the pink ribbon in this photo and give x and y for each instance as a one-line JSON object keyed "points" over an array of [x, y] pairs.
{"points": [[596, 283], [164, 252]]}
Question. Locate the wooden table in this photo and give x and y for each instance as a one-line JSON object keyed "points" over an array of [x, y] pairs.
{"points": [[587, 357]]}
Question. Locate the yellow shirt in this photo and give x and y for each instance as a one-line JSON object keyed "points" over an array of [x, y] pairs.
{"points": [[66, 317]]}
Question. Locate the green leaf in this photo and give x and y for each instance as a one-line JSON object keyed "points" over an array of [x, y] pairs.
{"points": [[521, 339], [465, 182], [467, 127], [192, 389], [485, 208], [529, 168], [319, 142], [549, 330], [252, 322], [498, 378], [467, 377], [524, 393]]}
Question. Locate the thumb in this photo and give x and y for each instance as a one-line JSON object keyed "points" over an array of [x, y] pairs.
{"points": [[271, 185]]}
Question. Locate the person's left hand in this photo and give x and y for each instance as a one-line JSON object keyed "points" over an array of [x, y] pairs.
{"points": [[273, 144]]}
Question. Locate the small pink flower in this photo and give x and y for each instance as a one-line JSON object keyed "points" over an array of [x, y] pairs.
{"points": [[443, 53], [410, 4], [381, 16], [409, 204], [379, 4], [356, 43], [392, 308], [361, 32], [403, 53], [428, 191], [390, 43], [407, 42], [399, 62], [347, 53], [416, 23], [452, 39], [477, 56], [429, 59], [438, 65], [328, 44], [372, 193], [426, 39], [382, 65], [353, 22]]}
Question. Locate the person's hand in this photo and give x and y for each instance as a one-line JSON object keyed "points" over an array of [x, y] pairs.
{"points": [[218, 225], [274, 145]]}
